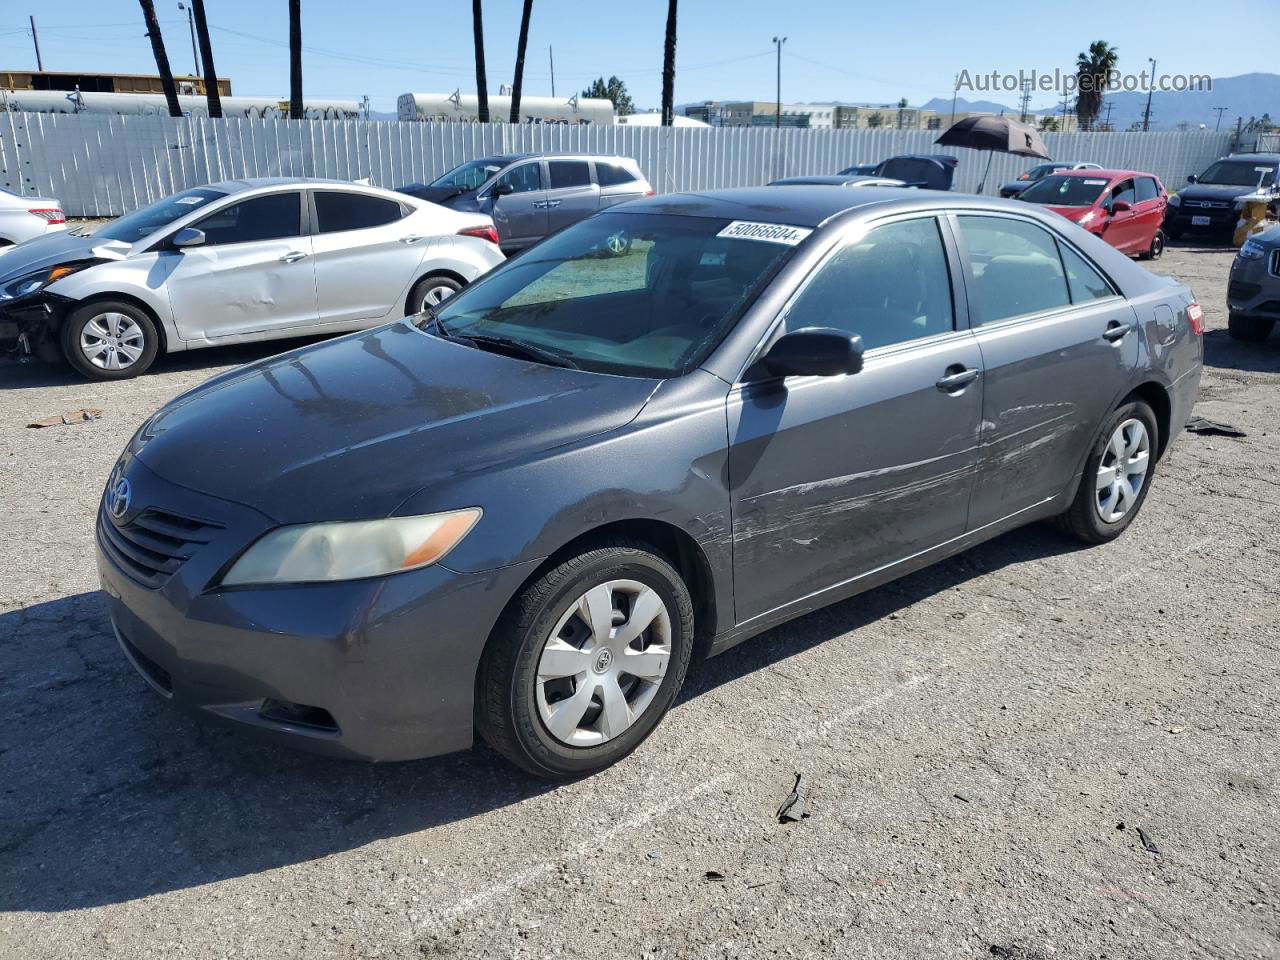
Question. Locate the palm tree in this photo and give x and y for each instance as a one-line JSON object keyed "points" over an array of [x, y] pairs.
{"points": [[295, 59], [206, 54], [669, 67], [517, 82], [482, 86], [162, 58], [1092, 69]]}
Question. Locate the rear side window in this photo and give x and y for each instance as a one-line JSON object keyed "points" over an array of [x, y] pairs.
{"points": [[569, 173], [1016, 269], [1147, 189], [270, 217], [612, 175], [1083, 280], [890, 287], [336, 211], [1125, 191], [525, 178]]}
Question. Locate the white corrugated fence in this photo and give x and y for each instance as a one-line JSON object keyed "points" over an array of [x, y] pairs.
{"points": [[104, 165]]}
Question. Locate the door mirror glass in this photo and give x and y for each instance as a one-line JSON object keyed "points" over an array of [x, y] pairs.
{"points": [[1191, 179], [1120, 206], [503, 189], [814, 352], [188, 237]]}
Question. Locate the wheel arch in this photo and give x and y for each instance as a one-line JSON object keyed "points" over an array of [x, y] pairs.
{"points": [[1156, 396], [108, 295], [435, 271]]}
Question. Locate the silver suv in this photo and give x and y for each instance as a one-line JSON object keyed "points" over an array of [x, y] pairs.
{"points": [[531, 195]]}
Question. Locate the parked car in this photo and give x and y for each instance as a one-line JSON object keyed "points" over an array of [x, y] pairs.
{"points": [[1211, 202], [1253, 292], [530, 195], [1040, 170], [1123, 207], [682, 422], [839, 180], [24, 218], [231, 262], [934, 171]]}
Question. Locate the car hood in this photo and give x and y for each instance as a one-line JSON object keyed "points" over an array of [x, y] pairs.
{"points": [[351, 428], [1209, 191], [45, 251], [441, 194]]}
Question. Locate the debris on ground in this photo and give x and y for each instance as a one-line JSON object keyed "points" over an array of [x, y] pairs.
{"points": [[1015, 952], [1211, 428], [961, 797], [714, 875], [1147, 842], [793, 808], [83, 415]]}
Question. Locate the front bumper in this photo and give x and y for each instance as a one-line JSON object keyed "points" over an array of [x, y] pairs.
{"points": [[380, 669], [1254, 286], [31, 324], [1220, 220]]}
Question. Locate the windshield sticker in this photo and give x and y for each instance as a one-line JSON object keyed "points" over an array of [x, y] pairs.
{"points": [[1096, 183], [191, 200], [1262, 169], [769, 232]]}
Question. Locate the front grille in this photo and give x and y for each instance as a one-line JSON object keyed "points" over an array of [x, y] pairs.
{"points": [[1275, 264], [1241, 290], [153, 545]]}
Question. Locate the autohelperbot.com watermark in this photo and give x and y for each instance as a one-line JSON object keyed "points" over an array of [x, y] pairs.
{"points": [[1068, 83]]}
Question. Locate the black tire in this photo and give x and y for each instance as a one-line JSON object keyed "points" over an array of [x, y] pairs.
{"points": [[1082, 519], [414, 302], [507, 713], [74, 325], [1249, 329], [1156, 249]]}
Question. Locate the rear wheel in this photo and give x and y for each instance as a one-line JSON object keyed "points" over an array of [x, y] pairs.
{"points": [[586, 661], [430, 292], [1117, 475], [1249, 329], [109, 340]]}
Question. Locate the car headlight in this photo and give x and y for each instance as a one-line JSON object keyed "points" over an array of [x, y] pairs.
{"points": [[350, 550], [1175, 200], [31, 283], [1252, 250]]}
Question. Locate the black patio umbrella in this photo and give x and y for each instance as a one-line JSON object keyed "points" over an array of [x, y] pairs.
{"points": [[994, 133]]}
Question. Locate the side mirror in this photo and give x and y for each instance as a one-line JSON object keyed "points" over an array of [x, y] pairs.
{"points": [[1191, 179], [188, 237], [814, 352], [1120, 206], [503, 189]]}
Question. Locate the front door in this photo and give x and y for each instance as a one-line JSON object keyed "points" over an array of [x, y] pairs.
{"points": [[835, 477], [1124, 227], [1058, 346], [521, 215], [571, 193], [252, 274]]}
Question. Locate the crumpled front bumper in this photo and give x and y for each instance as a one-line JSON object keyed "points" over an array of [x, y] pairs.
{"points": [[30, 325]]}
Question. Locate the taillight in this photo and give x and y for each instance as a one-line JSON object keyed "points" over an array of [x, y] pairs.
{"points": [[51, 214], [649, 192], [488, 232], [1195, 317]]}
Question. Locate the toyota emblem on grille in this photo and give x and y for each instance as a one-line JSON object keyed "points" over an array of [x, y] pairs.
{"points": [[118, 498]]}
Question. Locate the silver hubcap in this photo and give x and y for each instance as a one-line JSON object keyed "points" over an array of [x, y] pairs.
{"points": [[112, 341], [1123, 470], [436, 295], [603, 663]]}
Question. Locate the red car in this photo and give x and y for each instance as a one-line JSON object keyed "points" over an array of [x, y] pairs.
{"points": [[1123, 207]]}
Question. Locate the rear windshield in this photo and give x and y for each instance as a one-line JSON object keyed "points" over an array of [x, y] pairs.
{"points": [[646, 295], [1065, 191], [132, 227], [1239, 173]]}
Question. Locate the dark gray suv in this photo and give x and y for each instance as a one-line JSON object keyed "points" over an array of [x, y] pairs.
{"points": [[531, 195], [669, 428], [1253, 293]]}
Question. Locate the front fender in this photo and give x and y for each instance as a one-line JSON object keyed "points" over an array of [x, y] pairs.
{"points": [[140, 279]]}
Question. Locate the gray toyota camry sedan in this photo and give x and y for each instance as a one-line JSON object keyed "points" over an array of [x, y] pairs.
{"points": [[669, 427]]}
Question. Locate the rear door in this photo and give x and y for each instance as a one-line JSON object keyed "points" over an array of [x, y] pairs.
{"points": [[617, 183], [521, 215], [253, 273], [366, 254], [1058, 347], [572, 194]]}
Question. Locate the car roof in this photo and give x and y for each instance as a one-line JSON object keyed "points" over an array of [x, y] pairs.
{"points": [[259, 183], [1268, 157], [507, 158], [1102, 172]]}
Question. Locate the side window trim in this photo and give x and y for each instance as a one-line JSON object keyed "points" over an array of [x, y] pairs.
{"points": [[234, 201], [1064, 244]]}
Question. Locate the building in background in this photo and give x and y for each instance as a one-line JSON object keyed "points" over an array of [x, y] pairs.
{"points": [[814, 116], [103, 82]]}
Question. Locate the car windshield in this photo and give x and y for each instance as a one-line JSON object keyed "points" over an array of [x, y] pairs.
{"points": [[1239, 173], [1043, 170], [469, 175], [644, 295], [132, 227], [1065, 191]]}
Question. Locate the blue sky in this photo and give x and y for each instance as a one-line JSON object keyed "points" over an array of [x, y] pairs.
{"points": [[835, 49]]}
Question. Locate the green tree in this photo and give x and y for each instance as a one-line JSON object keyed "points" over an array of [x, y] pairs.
{"points": [[1092, 69], [611, 89], [876, 119], [1048, 123]]}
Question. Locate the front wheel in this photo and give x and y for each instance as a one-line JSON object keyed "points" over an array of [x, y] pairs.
{"points": [[1117, 475], [109, 340], [585, 662], [430, 292]]}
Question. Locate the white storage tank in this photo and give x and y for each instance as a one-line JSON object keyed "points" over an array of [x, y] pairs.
{"points": [[466, 108]]}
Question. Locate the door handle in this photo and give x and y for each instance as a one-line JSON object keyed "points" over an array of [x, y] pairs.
{"points": [[957, 378], [412, 238], [553, 203], [1116, 330], [292, 256]]}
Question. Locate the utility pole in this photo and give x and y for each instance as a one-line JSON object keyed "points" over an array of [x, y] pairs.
{"points": [[777, 117], [191, 25], [955, 93], [212, 94], [36, 40], [162, 58], [1025, 101], [551, 55], [1107, 120], [1146, 114], [296, 111], [1218, 123]]}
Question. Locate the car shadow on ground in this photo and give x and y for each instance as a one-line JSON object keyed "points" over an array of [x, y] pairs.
{"points": [[108, 794], [1221, 352]]}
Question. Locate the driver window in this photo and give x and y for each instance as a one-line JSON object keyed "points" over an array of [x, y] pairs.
{"points": [[270, 217], [523, 179], [1124, 191], [889, 287]]}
